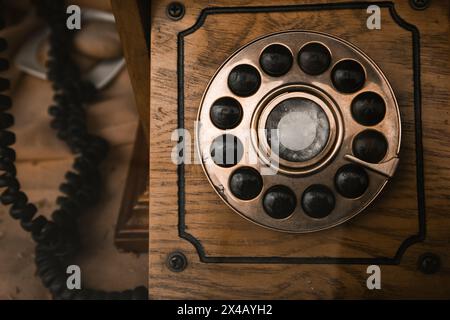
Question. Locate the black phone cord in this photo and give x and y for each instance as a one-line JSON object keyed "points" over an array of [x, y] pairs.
{"points": [[57, 240]]}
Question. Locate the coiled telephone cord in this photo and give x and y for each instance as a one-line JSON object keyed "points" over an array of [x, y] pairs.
{"points": [[57, 240]]}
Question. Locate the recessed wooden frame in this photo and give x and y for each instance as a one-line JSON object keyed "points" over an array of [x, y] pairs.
{"points": [[225, 251]]}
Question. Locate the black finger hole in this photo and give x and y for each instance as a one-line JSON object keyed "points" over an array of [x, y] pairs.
{"points": [[318, 201], [244, 80], [351, 181], [279, 202], [314, 58], [246, 183], [226, 113], [368, 108], [226, 150], [276, 60], [370, 146], [348, 76]]}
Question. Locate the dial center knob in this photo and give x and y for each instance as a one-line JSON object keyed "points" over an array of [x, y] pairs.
{"points": [[297, 129]]}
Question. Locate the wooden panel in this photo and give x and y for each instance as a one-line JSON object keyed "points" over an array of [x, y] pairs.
{"points": [[220, 266]]}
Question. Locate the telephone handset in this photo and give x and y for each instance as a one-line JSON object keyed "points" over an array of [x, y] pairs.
{"points": [[299, 131]]}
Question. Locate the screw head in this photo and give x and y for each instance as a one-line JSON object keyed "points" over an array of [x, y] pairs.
{"points": [[175, 10], [429, 263], [419, 4], [176, 262]]}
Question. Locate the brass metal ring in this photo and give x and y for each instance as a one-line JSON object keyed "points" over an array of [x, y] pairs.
{"points": [[265, 107]]}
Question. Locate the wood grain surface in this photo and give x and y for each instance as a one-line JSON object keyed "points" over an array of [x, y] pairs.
{"points": [[377, 232], [130, 27]]}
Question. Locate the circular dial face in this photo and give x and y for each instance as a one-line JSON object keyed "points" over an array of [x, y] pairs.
{"points": [[298, 131], [282, 129]]}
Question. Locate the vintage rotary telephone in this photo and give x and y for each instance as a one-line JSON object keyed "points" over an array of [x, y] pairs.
{"points": [[295, 115]]}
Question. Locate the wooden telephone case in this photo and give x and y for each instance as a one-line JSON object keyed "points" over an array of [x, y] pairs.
{"points": [[199, 248]]}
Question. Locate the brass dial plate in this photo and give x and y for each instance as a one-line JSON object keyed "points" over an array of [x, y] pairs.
{"points": [[337, 153]]}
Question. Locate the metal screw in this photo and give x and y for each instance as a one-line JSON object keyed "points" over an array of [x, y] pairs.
{"points": [[176, 262], [175, 10], [419, 4], [429, 263]]}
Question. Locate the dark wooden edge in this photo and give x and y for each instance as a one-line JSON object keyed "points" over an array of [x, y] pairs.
{"points": [[133, 21], [130, 235]]}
